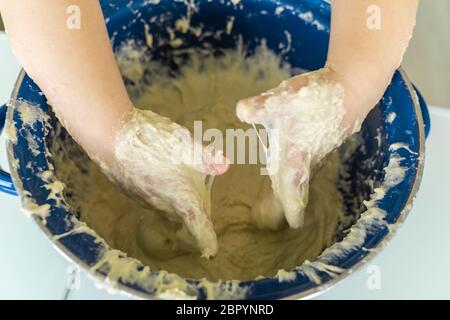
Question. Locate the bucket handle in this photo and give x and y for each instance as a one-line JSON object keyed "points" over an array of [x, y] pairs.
{"points": [[425, 112], [6, 183]]}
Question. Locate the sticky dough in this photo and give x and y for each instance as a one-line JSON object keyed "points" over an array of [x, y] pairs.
{"points": [[208, 89]]}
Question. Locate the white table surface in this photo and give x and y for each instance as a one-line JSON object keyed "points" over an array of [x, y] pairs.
{"points": [[414, 265]]}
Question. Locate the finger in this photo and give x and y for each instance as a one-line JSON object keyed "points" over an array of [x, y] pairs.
{"points": [[197, 222], [210, 161], [215, 163], [294, 202], [292, 190]]}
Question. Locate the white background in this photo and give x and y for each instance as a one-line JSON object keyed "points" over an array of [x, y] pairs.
{"points": [[428, 57]]}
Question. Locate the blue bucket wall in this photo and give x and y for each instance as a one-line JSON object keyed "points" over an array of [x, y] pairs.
{"points": [[254, 22]]}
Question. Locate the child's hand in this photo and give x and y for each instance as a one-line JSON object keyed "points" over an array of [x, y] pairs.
{"points": [[155, 159], [306, 118]]}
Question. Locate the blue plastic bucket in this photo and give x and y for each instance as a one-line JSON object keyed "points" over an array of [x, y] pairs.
{"points": [[308, 23]]}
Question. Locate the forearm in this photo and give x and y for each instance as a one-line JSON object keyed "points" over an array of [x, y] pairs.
{"points": [[365, 56], [75, 68]]}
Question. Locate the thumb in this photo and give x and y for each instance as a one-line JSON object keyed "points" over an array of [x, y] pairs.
{"points": [[210, 160]]}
